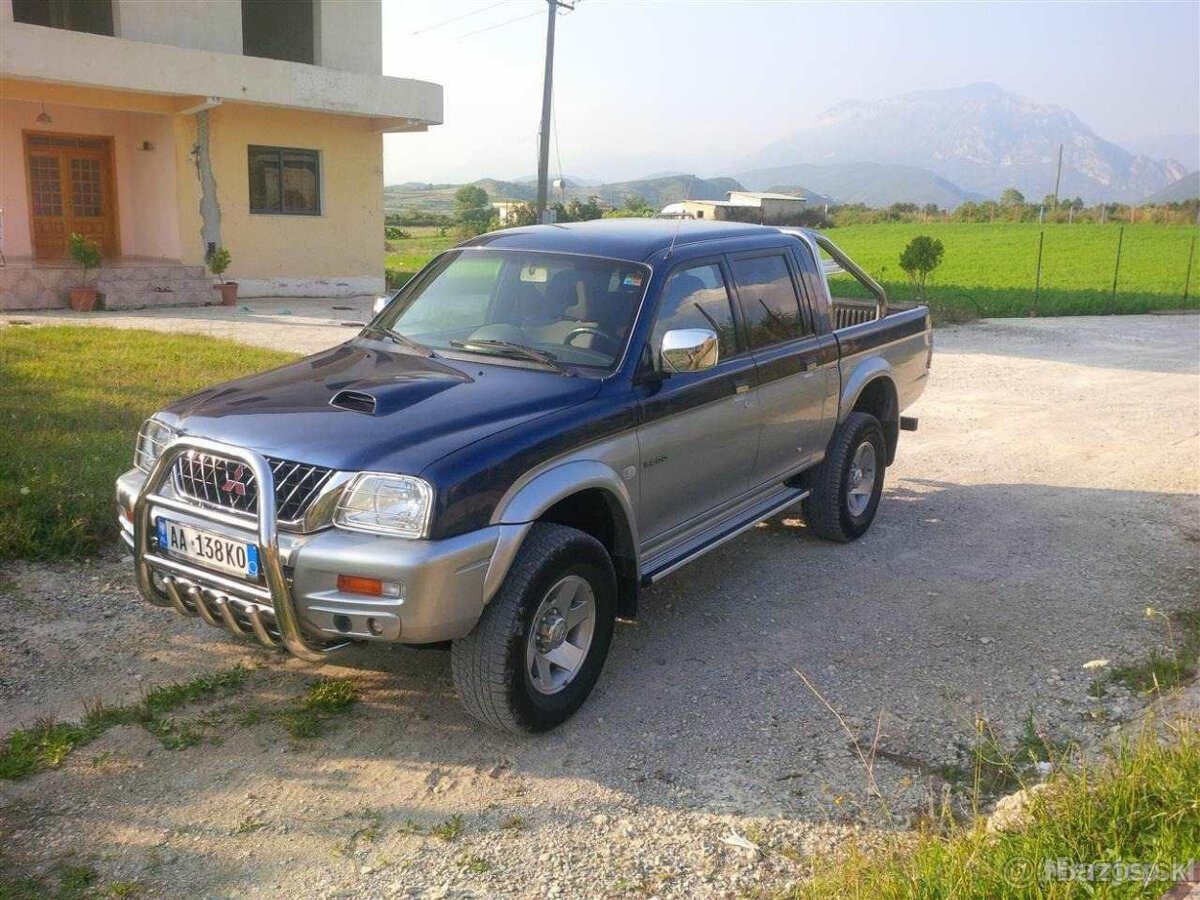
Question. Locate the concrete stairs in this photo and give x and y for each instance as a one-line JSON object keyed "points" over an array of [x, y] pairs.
{"points": [[135, 287], [125, 284]]}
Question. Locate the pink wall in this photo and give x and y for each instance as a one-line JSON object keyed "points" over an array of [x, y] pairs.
{"points": [[146, 199]]}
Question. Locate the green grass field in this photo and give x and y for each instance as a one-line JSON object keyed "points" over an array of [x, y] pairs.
{"points": [[989, 269], [72, 402], [405, 257]]}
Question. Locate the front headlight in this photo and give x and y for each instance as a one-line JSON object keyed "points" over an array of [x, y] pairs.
{"points": [[152, 437], [385, 504]]}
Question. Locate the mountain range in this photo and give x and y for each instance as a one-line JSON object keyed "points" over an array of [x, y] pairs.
{"points": [[943, 146], [982, 139]]}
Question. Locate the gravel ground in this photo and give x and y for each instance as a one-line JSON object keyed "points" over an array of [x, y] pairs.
{"points": [[1049, 497]]}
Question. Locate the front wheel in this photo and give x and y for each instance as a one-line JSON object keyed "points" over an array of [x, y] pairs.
{"points": [[534, 656], [847, 485]]}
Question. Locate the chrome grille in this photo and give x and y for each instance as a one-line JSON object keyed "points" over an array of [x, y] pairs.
{"points": [[228, 484]]}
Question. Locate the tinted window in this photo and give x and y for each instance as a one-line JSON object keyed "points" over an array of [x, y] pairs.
{"points": [[94, 16], [697, 298], [285, 181], [769, 300], [279, 29]]}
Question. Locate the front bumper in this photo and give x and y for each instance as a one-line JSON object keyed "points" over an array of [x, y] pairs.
{"points": [[296, 602]]}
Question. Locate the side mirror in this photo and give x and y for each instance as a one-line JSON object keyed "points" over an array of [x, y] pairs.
{"points": [[380, 305], [688, 350]]}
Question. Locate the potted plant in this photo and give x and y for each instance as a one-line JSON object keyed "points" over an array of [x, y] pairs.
{"points": [[87, 254], [217, 264]]}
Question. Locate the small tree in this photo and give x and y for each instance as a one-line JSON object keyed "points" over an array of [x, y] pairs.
{"points": [[472, 209], [1012, 197], [922, 255], [219, 262], [521, 214], [85, 252]]}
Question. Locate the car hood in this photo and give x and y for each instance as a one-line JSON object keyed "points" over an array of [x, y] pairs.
{"points": [[423, 408]]}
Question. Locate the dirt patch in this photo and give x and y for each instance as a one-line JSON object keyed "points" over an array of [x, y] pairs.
{"points": [[1048, 499]]}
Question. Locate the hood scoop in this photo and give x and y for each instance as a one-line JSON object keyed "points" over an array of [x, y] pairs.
{"points": [[384, 396], [355, 401]]}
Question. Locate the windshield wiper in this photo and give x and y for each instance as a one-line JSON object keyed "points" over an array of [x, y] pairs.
{"points": [[404, 339], [508, 347]]}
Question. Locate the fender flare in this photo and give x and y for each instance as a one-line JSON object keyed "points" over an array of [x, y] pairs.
{"points": [[862, 375], [530, 497]]}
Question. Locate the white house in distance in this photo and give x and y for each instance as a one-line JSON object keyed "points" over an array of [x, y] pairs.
{"points": [[763, 208], [162, 129]]}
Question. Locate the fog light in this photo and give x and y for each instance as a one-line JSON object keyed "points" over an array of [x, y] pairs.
{"points": [[374, 627], [372, 587]]}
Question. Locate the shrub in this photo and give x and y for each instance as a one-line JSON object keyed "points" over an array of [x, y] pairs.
{"points": [[918, 260]]}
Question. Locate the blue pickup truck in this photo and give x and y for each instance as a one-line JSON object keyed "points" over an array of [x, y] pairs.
{"points": [[538, 424]]}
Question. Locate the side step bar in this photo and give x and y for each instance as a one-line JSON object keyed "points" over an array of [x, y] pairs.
{"points": [[710, 541]]}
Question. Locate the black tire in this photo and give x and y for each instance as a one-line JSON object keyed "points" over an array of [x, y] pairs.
{"points": [[827, 510], [489, 664]]}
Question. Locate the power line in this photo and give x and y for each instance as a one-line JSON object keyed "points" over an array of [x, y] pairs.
{"points": [[459, 18], [500, 24]]}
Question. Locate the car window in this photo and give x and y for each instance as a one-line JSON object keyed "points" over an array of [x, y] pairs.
{"points": [[769, 302], [578, 308], [697, 297]]}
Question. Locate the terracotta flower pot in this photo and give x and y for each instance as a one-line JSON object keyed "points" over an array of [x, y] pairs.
{"points": [[84, 299], [228, 292]]}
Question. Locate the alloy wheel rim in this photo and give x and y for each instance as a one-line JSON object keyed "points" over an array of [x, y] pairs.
{"points": [[861, 479], [561, 635]]}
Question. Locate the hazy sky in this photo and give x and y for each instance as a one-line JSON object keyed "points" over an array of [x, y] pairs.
{"points": [[699, 86]]}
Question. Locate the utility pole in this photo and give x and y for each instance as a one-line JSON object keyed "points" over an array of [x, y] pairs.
{"points": [[547, 91]]}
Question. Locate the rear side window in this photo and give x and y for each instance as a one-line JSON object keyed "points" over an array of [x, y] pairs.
{"points": [[697, 298], [769, 302]]}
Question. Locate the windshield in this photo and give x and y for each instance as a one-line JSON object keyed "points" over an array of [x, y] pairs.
{"points": [[569, 310]]}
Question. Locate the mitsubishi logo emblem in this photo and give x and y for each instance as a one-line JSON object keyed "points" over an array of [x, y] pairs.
{"points": [[233, 482]]}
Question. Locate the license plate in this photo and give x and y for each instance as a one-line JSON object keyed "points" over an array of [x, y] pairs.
{"points": [[212, 551]]}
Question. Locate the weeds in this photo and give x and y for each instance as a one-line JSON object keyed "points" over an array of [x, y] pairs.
{"points": [[248, 825], [325, 698], [448, 830], [47, 744], [514, 823], [1139, 805], [1164, 670], [66, 882], [476, 865]]}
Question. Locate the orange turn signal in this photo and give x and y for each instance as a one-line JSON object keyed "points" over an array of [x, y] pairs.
{"points": [[372, 587], [356, 584]]}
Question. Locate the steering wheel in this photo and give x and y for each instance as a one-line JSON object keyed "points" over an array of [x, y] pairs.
{"points": [[613, 345]]}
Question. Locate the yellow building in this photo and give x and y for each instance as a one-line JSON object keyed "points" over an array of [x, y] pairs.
{"points": [[163, 129]]}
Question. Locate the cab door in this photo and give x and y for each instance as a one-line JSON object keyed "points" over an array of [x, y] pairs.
{"points": [[797, 368], [699, 430]]}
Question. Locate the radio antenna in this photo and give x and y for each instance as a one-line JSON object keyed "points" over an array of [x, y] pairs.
{"points": [[687, 195]]}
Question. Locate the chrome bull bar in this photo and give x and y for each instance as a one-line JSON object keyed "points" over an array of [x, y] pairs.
{"points": [[218, 605]]}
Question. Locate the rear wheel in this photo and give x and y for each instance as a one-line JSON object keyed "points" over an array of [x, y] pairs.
{"points": [[848, 483], [536, 652]]}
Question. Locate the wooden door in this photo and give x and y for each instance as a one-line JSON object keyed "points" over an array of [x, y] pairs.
{"points": [[71, 190]]}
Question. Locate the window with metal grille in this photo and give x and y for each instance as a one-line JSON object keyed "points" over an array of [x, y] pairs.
{"points": [[285, 181]]}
